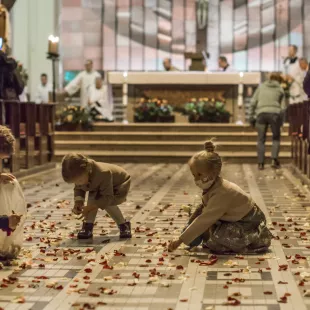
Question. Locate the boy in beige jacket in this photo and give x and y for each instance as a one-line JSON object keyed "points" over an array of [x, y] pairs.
{"points": [[228, 221], [108, 186]]}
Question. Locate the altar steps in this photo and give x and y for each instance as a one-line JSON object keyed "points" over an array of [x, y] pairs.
{"points": [[165, 142], [167, 157], [173, 127], [163, 136], [160, 146]]}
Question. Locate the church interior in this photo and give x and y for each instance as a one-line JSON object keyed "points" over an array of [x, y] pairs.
{"points": [[154, 154]]}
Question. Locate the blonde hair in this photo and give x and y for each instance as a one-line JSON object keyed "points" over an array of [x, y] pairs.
{"points": [[7, 141], [207, 161], [74, 165]]}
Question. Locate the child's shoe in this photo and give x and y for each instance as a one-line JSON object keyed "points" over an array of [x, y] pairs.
{"points": [[86, 232], [125, 230]]}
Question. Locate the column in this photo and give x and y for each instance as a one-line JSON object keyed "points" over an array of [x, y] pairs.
{"points": [[33, 22]]}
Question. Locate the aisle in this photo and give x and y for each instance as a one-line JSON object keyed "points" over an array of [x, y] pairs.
{"points": [[56, 271]]}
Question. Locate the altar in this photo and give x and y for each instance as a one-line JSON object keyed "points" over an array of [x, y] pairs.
{"points": [[178, 88]]}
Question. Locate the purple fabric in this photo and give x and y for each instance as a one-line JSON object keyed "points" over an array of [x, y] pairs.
{"points": [[307, 84]]}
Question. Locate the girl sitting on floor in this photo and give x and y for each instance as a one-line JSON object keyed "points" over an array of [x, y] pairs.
{"points": [[228, 221]]}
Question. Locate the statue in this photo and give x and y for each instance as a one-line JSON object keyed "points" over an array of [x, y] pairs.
{"points": [[5, 27]]}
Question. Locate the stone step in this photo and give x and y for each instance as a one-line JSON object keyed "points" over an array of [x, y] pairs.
{"points": [[160, 146], [167, 157], [175, 127], [163, 136]]}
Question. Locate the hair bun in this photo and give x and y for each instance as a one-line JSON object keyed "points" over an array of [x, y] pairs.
{"points": [[209, 146]]}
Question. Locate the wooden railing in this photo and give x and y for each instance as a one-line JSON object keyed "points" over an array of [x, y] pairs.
{"points": [[33, 128], [299, 119]]}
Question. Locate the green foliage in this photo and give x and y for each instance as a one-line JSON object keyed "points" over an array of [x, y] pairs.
{"points": [[150, 110], [75, 115], [205, 110]]}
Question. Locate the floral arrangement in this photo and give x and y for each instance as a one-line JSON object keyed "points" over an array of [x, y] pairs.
{"points": [[75, 116], [153, 110], [22, 72], [286, 84], [205, 110]]}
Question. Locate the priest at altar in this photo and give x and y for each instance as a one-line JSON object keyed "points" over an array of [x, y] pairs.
{"points": [[82, 82]]}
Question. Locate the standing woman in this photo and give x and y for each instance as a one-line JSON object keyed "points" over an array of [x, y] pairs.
{"points": [[267, 106]]}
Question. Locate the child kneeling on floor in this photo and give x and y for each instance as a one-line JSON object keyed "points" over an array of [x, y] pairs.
{"points": [[108, 186], [228, 220], [8, 223]]}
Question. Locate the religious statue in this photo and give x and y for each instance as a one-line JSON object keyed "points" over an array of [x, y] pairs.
{"points": [[5, 28], [202, 14]]}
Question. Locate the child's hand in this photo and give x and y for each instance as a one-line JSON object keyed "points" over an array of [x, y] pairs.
{"points": [[78, 207], [173, 245], [6, 178], [14, 221], [87, 209]]}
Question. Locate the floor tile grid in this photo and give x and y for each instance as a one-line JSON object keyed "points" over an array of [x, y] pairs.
{"points": [[175, 198], [295, 300], [150, 170], [136, 182], [138, 216]]}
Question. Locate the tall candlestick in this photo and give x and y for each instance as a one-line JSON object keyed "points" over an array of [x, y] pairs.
{"points": [[53, 43]]}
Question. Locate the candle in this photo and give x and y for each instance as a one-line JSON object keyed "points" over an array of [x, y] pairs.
{"points": [[53, 45], [125, 89], [240, 90]]}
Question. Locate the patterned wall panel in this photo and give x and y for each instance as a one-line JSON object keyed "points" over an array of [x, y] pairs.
{"points": [[282, 32], [268, 35], [178, 33], [240, 35], [137, 34], [226, 33], [213, 42], [254, 35]]}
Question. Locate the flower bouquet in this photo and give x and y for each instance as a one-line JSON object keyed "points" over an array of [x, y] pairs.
{"points": [[204, 110], [74, 118], [286, 84], [153, 111]]}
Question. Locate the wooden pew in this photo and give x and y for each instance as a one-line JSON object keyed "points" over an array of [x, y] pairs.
{"points": [[10, 117], [28, 133], [45, 118], [299, 116], [33, 128]]}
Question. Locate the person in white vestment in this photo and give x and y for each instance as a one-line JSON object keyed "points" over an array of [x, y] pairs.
{"points": [[224, 66], [297, 77], [99, 102], [292, 74], [82, 82], [290, 63], [43, 90]]}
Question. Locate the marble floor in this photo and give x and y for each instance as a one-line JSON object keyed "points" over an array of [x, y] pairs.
{"points": [[55, 271]]}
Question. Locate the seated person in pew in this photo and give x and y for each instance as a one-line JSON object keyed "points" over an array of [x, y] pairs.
{"points": [[228, 220], [108, 186]]}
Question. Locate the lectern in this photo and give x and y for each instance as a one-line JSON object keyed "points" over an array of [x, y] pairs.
{"points": [[197, 61]]}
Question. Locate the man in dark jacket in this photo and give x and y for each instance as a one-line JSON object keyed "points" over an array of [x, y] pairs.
{"points": [[11, 84], [307, 83]]}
